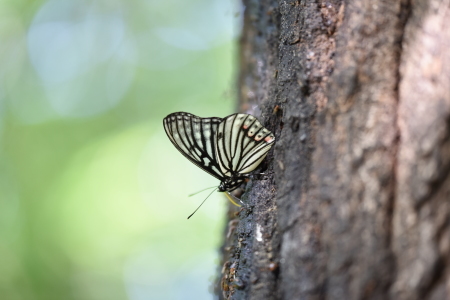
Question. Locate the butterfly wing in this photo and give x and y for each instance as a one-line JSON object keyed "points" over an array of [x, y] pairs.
{"points": [[242, 144], [194, 137]]}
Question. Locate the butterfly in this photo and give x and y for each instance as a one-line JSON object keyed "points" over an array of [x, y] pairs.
{"points": [[227, 148]]}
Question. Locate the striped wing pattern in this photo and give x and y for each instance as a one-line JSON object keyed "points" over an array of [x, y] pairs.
{"points": [[242, 144], [194, 137], [227, 148]]}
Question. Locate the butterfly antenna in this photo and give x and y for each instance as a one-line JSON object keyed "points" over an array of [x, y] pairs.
{"points": [[201, 191], [200, 204]]}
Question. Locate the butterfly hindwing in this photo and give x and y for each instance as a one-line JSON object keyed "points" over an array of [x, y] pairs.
{"points": [[195, 138], [242, 143]]}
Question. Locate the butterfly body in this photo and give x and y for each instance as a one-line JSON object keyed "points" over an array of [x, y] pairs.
{"points": [[227, 148]]}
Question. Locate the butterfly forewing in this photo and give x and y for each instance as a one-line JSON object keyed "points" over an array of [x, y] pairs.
{"points": [[195, 138]]}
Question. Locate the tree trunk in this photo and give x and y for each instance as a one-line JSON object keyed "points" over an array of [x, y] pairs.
{"points": [[356, 203]]}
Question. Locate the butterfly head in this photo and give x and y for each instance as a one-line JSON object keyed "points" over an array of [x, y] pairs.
{"points": [[230, 184]]}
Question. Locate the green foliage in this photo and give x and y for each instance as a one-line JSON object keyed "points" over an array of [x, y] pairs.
{"points": [[93, 196]]}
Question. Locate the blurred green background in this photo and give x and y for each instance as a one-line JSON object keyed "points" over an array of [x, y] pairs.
{"points": [[93, 196]]}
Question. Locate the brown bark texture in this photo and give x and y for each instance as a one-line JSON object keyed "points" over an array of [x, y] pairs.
{"points": [[356, 199]]}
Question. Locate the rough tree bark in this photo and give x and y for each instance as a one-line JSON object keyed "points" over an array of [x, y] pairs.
{"points": [[357, 200]]}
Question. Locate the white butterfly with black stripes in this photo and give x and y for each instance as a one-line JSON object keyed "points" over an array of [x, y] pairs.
{"points": [[227, 148]]}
